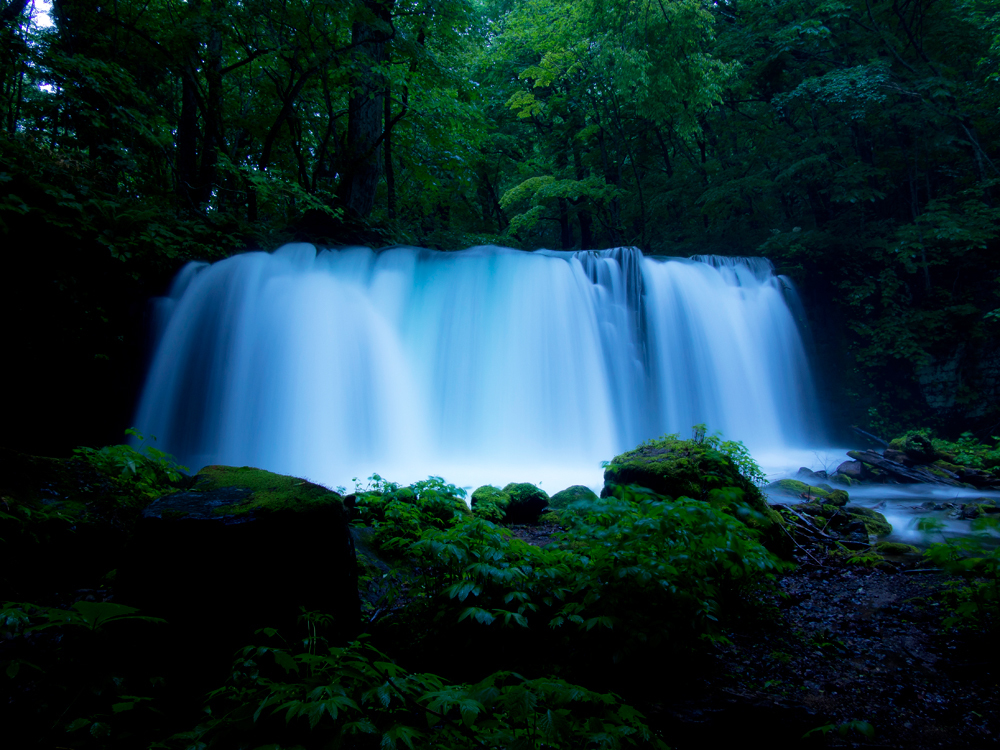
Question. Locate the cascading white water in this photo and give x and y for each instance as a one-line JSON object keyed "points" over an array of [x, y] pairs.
{"points": [[482, 366]]}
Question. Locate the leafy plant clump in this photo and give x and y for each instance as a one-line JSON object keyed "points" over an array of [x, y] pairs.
{"points": [[967, 450], [146, 471], [660, 573], [70, 672], [326, 696], [975, 594], [490, 503], [399, 515], [672, 466]]}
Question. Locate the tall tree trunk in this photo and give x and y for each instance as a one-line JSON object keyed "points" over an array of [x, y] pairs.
{"points": [[363, 166], [187, 141], [390, 174], [583, 214], [213, 107]]}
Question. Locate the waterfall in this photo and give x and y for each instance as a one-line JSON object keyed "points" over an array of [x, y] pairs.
{"points": [[485, 365]]}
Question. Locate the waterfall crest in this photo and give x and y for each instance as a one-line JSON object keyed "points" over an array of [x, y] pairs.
{"points": [[485, 365]]}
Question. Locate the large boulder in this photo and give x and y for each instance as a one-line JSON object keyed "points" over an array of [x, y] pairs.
{"points": [[701, 470], [681, 468], [527, 502], [853, 470], [243, 549]]}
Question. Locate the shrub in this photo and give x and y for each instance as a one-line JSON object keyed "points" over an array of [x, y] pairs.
{"points": [[357, 696]]}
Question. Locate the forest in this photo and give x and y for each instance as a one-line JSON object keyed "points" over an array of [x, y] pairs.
{"points": [[855, 144]]}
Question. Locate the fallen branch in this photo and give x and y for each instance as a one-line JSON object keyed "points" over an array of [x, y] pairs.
{"points": [[900, 472], [810, 523], [868, 435]]}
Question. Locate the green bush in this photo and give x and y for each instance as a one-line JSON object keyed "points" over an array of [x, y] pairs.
{"points": [[67, 673], [146, 471], [655, 570], [399, 515], [975, 595], [490, 503], [356, 696]]}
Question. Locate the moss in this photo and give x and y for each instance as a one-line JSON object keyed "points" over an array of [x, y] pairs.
{"points": [[896, 549], [526, 502], [844, 479], [570, 495], [948, 465], [873, 520], [868, 557], [978, 507], [838, 498], [800, 489], [815, 509], [269, 492], [673, 467]]}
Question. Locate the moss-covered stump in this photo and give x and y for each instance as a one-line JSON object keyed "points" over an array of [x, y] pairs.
{"points": [[526, 503], [570, 495], [244, 549], [823, 493], [848, 520]]}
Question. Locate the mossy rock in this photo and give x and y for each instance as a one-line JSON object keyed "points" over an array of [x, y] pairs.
{"points": [[681, 468], [840, 518], [837, 498], [979, 507], [916, 446], [844, 480], [490, 503], [570, 495], [527, 502], [897, 549], [244, 550], [953, 467], [824, 493], [874, 521], [245, 490]]}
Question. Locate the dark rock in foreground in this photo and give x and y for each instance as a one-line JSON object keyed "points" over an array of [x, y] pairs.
{"points": [[244, 549]]}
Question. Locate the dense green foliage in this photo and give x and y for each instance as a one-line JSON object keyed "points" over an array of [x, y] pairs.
{"points": [[974, 596], [399, 515], [147, 470], [357, 695], [478, 639]]}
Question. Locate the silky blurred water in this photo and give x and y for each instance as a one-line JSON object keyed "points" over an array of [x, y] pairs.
{"points": [[487, 365]]}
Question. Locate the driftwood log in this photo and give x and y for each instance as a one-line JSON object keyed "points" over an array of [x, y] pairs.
{"points": [[906, 474]]}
